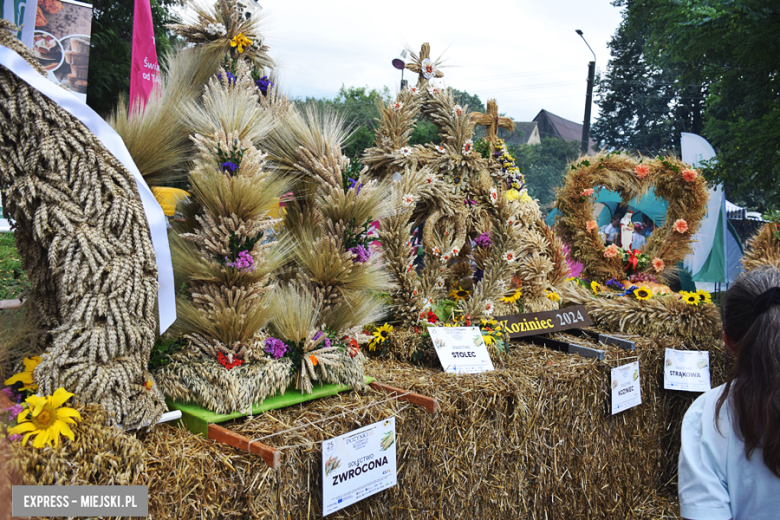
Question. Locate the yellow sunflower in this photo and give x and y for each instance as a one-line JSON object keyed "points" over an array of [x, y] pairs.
{"points": [[643, 293], [704, 296], [690, 298], [459, 294], [382, 333], [26, 377], [46, 418], [513, 298]]}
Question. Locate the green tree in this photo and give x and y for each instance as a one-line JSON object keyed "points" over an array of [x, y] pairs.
{"points": [[112, 47], [544, 166], [643, 107], [733, 46]]}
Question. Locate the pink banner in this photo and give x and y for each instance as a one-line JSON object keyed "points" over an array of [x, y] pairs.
{"points": [[144, 70]]}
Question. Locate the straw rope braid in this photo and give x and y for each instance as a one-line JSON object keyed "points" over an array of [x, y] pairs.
{"points": [[763, 248], [84, 239], [616, 172]]}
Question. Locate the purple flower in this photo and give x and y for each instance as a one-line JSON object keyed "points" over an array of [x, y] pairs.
{"points": [[229, 167], [483, 240], [362, 253], [275, 347], [14, 411], [478, 275], [614, 284], [231, 78], [354, 184], [14, 437], [11, 395], [244, 262], [264, 84], [326, 340]]}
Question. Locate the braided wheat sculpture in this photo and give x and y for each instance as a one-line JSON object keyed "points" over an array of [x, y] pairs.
{"points": [[85, 242], [459, 196]]}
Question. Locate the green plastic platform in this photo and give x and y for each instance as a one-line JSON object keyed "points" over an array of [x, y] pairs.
{"points": [[197, 418]]}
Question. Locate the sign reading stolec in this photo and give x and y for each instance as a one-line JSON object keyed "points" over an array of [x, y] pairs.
{"points": [[461, 349], [626, 390], [687, 370], [519, 325], [357, 465]]}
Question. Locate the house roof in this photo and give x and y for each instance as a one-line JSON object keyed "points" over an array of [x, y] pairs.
{"points": [[551, 125], [523, 131]]}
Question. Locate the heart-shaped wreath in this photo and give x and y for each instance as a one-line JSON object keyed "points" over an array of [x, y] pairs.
{"points": [[682, 187]]}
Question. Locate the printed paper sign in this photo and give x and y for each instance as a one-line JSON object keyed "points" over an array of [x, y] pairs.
{"points": [[532, 323], [687, 370], [626, 391], [357, 465], [461, 350], [21, 13]]}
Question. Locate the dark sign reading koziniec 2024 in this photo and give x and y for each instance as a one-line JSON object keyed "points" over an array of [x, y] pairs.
{"points": [[519, 325]]}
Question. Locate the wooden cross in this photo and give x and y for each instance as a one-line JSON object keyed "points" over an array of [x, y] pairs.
{"points": [[416, 64], [491, 121]]}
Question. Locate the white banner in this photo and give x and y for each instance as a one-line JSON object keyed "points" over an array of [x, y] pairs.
{"points": [[154, 214], [461, 350], [357, 465]]}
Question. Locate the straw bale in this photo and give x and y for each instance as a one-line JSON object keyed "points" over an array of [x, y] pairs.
{"points": [[533, 439]]}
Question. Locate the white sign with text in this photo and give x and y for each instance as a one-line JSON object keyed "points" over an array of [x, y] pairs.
{"points": [[687, 370], [461, 350], [358, 464], [626, 390]]}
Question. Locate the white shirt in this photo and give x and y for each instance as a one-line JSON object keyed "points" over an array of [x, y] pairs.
{"points": [[611, 231], [716, 481], [638, 241]]}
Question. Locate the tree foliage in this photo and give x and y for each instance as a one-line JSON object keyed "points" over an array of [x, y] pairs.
{"points": [[728, 50], [544, 166], [112, 47]]}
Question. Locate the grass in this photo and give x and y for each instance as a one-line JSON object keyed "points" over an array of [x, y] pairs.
{"points": [[13, 279]]}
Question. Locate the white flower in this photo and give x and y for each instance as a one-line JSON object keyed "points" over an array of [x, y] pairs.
{"points": [[428, 68], [510, 256], [397, 106], [440, 149], [432, 90], [413, 90], [216, 29], [408, 200], [489, 308], [510, 222], [468, 146], [405, 151], [493, 195], [455, 251], [431, 179], [457, 110], [439, 283], [436, 251]]}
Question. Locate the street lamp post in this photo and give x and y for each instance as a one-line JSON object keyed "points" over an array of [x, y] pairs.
{"points": [[400, 63], [588, 98]]}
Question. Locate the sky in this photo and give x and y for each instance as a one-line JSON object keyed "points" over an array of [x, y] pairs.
{"points": [[525, 54]]}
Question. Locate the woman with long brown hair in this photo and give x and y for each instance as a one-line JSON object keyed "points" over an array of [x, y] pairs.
{"points": [[730, 456]]}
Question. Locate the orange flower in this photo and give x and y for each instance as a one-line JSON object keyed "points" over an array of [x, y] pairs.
{"points": [[313, 360], [587, 193], [689, 175], [642, 170], [611, 251], [658, 265], [591, 225], [680, 226], [148, 385]]}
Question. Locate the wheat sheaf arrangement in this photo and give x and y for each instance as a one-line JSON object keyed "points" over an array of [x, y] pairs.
{"points": [[85, 242]]}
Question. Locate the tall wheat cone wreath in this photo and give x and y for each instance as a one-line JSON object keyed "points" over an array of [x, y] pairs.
{"points": [[85, 242], [686, 193], [458, 196]]}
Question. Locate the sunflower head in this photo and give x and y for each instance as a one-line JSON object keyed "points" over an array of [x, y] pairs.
{"points": [[459, 294], [46, 419], [382, 334], [704, 296], [513, 297], [643, 293], [690, 298]]}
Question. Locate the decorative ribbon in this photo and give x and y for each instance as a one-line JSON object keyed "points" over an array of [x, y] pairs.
{"points": [[632, 260], [166, 296]]}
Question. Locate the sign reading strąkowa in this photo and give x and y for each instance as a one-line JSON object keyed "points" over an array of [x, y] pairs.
{"points": [[519, 325]]}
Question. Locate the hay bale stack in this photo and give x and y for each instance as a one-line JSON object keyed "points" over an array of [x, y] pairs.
{"points": [[534, 439]]}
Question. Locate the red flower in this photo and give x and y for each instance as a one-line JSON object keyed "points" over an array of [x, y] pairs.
{"points": [[225, 362], [680, 226], [354, 348], [431, 317], [690, 175], [642, 170]]}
